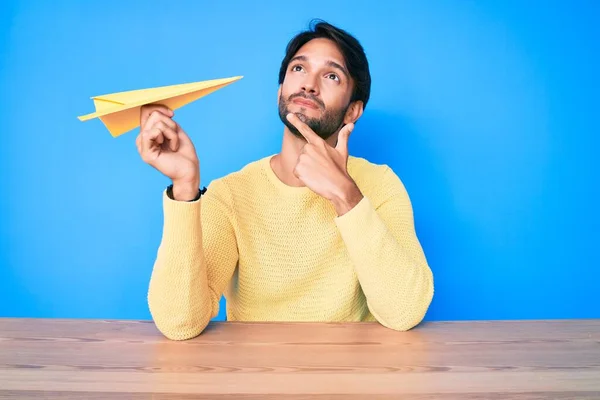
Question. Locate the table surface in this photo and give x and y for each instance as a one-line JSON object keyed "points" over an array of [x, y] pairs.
{"points": [[116, 359]]}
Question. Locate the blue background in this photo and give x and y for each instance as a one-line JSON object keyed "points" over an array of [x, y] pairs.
{"points": [[488, 111]]}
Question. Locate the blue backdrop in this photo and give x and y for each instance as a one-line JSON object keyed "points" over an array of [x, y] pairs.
{"points": [[488, 111]]}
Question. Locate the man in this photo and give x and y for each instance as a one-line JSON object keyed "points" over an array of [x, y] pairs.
{"points": [[309, 234]]}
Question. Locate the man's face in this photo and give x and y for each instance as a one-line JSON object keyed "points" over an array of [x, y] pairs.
{"points": [[317, 88]]}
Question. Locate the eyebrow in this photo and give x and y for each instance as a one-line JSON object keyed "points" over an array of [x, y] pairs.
{"points": [[328, 63]]}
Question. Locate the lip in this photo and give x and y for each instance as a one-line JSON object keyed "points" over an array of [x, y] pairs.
{"points": [[305, 102]]}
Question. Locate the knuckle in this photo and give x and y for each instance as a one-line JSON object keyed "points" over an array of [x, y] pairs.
{"points": [[165, 119], [151, 133], [168, 132], [170, 129]]}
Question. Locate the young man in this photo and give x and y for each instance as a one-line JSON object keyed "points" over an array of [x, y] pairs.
{"points": [[309, 234]]}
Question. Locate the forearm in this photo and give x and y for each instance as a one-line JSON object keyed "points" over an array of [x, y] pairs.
{"points": [[393, 274], [179, 297]]}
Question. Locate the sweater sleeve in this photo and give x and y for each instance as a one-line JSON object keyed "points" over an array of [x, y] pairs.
{"points": [[195, 260], [387, 256]]}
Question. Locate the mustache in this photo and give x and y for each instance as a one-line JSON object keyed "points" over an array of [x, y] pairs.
{"points": [[305, 96]]}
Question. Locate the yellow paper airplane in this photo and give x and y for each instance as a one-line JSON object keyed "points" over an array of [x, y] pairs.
{"points": [[120, 112]]}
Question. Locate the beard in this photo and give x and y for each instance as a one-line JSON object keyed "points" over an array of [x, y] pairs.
{"points": [[325, 126]]}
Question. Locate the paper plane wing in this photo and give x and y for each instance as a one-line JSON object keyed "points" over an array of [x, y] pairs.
{"points": [[120, 112]]}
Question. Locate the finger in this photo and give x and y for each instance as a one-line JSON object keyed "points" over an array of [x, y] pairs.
{"points": [[298, 167], [156, 116], [150, 138], [312, 150], [342, 143], [147, 109], [163, 122], [169, 133], [304, 129]]}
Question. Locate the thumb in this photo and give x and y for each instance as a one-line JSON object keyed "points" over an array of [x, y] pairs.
{"points": [[342, 143]]}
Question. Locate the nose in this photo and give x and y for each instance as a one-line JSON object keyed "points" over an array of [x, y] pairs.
{"points": [[309, 85]]}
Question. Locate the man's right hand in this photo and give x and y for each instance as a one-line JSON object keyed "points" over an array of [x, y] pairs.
{"points": [[165, 146]]}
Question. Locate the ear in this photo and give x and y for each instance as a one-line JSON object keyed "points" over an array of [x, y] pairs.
{"points": [[354, 112], [279, 94]]}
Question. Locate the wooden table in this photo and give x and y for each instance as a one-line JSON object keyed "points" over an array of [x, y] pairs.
{"points": [[107, 359]]}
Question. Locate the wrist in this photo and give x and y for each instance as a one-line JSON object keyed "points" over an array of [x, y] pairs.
{"points": [[186, 191], [348, 197]]}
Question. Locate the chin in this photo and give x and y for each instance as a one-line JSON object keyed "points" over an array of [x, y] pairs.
{"points": [[303, 112]]}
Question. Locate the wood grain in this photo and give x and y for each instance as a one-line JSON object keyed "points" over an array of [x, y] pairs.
{"points": [[110, 359]]}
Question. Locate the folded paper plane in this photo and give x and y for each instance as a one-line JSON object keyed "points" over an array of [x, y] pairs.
{"points": [[120, 112]]}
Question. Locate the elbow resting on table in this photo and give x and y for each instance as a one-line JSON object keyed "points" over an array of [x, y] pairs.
{"points": [[403, 324], [179, 326], [407, 313]]}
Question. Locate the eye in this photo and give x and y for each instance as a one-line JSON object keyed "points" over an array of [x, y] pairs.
{"points": [[297, 68], [333, 77]]}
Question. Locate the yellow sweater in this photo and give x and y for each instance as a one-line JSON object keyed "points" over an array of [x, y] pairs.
{"points": [[281, 253]]}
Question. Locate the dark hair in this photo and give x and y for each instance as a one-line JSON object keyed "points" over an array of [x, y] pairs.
{"points": [[351, 49]]}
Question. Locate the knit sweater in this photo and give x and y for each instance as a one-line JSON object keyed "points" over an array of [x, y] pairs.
{"points": [[281, 253]]}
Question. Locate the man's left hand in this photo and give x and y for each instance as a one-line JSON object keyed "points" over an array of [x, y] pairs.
{"points": [[323, 168]]}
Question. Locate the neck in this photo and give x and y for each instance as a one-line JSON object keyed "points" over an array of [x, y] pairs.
{"points": [[283, 164]]}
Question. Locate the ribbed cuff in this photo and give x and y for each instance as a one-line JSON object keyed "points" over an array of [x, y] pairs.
{"points": [[356, 219], [181, 220]]}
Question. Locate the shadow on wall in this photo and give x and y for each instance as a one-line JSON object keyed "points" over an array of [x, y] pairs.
{"points": [[386, 138]]}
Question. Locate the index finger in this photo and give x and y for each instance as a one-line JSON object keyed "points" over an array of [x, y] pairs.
{"points": [[148, 109], [304, 129]]}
